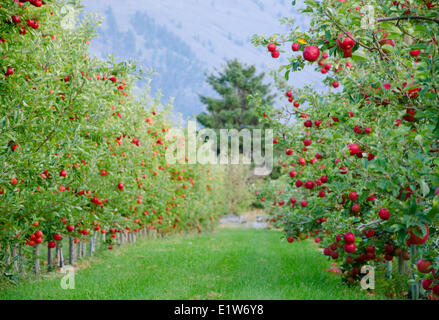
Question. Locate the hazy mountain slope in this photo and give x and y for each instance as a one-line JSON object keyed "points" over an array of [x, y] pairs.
{"points": [[181, 39]]}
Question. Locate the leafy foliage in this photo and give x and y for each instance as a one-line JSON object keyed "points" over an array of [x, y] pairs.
{"points": [[232, 109], [374, 133], [77, 148]]}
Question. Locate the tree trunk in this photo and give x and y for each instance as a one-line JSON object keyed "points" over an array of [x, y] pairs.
{"points": [[37, 268], [389, 266], [95, 236], [21, 263], [91, 244], [72, 251], [8, 255], [49, 258], [60, 257], [403, 266], [414, 290], [14, 259], [79, 248], [84, 249]]}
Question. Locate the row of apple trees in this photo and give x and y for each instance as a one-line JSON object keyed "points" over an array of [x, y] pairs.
{"points": [[81, 155], [361, 157]]}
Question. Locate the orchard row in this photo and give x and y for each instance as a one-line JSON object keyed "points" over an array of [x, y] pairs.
{"points": [[361, 161], [80, 154]]}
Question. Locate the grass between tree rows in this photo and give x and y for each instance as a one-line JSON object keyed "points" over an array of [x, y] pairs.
{"points": [[227, 264]]}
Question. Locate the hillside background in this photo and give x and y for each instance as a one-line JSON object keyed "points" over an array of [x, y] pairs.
{"points": [[182, 39]]}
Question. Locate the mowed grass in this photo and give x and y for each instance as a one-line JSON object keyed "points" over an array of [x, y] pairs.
{"points": [[227, 264]]}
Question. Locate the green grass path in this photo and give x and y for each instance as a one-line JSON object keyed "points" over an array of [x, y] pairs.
{"points": [[227, 264]]}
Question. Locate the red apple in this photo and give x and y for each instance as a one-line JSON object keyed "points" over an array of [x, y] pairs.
{"points": [[384, 214], [271, 47], [311, 53], [416, 240], [350, 247], [16, 19], [349, 237], [275, 54], [353, 196], [424, 266], [356, 208], [415, 53], [354, 148], [309, 184], [10, 71], [426, 284]]}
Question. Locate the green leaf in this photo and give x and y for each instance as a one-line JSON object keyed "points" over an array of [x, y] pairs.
{"points": [[413, 207], [388, 47], [359, 57], [424, 188], [436, 129]]}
